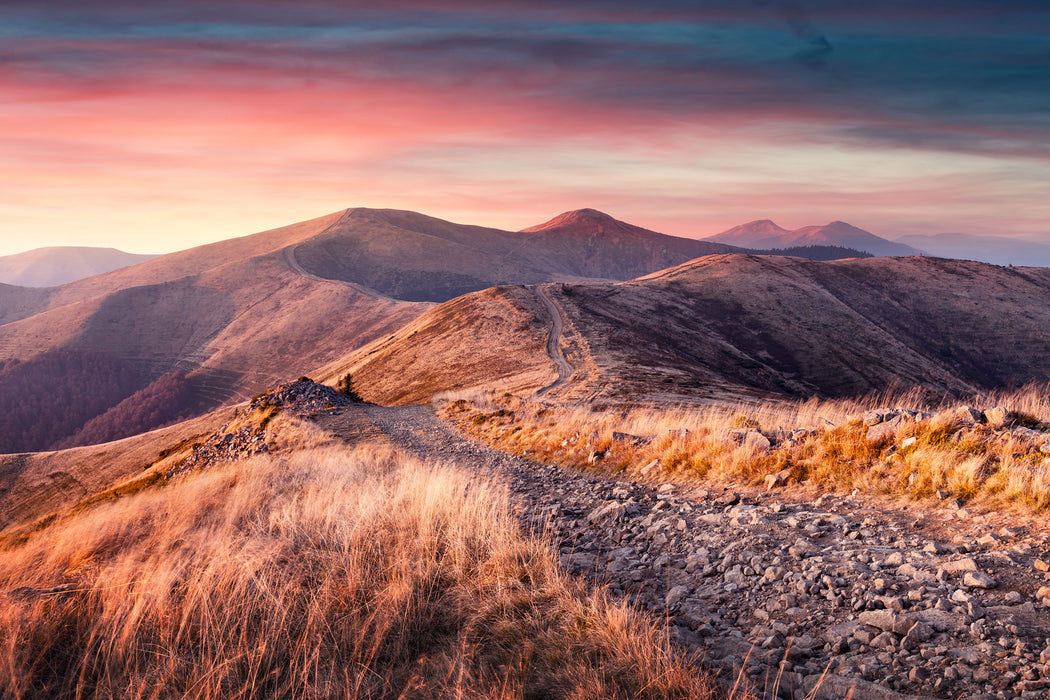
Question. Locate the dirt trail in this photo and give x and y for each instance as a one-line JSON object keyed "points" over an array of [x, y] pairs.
{"points": [[554, 341], [764, 585], [293, 262]]}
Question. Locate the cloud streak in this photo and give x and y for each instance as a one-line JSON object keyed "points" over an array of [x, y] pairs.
{"points": [[272, 87]]}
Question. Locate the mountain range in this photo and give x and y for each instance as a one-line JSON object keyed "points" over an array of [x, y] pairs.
{"points": [[582, 307], [195, 329], [764, 234], [181, 334]]}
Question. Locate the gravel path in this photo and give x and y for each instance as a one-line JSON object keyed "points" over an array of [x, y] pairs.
{"points": [[893, 605], [554, 341]]}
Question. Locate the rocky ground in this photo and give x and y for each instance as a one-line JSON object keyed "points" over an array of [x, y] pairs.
{"points": [[886, 598], [245, 435], [786, 591]]}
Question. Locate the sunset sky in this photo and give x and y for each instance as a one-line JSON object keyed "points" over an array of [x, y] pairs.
{"points": [[160, 125]]}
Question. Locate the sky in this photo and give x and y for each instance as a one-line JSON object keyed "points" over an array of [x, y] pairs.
{"points": [[161, 125]]}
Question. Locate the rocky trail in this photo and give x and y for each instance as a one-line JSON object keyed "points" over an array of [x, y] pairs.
{"points": [[855, 595], [885, 599]]}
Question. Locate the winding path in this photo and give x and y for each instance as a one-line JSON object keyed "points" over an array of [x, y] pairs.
{"points": [[289, 256], [757, 583], [553, 341]]}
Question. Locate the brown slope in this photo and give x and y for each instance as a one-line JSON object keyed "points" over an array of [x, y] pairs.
{"points": [[758, 326], [36, 484], [234, 329], [21, 302], [495, 337]]}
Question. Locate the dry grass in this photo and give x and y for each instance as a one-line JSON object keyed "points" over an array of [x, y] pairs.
{"points": [[696, 443], [320, 574]]}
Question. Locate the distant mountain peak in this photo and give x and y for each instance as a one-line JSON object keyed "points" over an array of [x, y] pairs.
{"points": [[842, 226], [763, 234], [56, 265], [575, 217], [763, 227]]}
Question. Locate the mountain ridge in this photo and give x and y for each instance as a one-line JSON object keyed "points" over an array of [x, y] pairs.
{"points": [[764, 234], [736, 325]]}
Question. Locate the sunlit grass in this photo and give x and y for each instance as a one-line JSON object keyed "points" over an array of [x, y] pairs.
{"points": [[320, 573], [820, 443]]}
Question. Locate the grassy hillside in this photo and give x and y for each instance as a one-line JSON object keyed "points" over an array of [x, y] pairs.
{"points": [[320, 573], [933, 451], [721, 327]]}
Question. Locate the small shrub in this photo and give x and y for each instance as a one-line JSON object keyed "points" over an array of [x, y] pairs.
{"points": [[346, 387], [742, 421]]}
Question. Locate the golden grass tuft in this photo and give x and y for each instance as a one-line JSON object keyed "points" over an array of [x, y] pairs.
{"points": [[322, 573], [702, 443]]}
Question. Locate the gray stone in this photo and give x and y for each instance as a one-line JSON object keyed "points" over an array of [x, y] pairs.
{"points": [[649, 468], [755, 440], [884, 431], [874, 417], [979, 579], [802, 548], [967, 415], [920, 632], [676, 594], [955, 566], [778, 479], [611, 510], [886, 640]]}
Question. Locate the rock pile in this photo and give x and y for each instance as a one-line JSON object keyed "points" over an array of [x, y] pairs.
{"points": [[245, 435], [990, 426]]}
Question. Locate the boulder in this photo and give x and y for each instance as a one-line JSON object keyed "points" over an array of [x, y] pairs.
{"points": [[996, 417], [629, 439], [979, 579], [755, 440], [874, 417], [778, 479], [968, 416]]}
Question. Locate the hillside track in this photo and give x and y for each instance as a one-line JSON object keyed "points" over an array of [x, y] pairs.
{"points": [[293, 262], [565, 370]]}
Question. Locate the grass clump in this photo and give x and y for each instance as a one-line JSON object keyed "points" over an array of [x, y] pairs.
{"points": [[823, 444], [316, 574]]}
